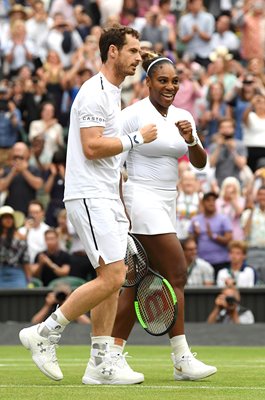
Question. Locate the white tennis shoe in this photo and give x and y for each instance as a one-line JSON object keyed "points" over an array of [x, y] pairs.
{"points": [[42, 350], [114, 370], [188, 368]]}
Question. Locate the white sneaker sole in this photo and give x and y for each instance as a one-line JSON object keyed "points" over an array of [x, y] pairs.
{"points": [[86, 380], [184, 377], [25, 342]]}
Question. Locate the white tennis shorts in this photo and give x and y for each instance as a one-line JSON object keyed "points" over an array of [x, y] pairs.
{"points": [[152, 211], [102, 227]]}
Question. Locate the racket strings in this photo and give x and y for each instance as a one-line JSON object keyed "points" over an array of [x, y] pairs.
{"points": [[136, 262], [155, 304]]}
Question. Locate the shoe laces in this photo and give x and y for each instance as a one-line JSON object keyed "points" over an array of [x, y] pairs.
{"points": [[53, 339], [119, 359], [188, 356]]}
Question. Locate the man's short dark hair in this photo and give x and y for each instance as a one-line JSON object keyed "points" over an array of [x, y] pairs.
{"points": [[207, 195], [115, 35], [37, 202], [51, 230]]}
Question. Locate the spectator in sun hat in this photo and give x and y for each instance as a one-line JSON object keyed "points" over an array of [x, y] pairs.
{"points": [[14, 259], [16, 12]]}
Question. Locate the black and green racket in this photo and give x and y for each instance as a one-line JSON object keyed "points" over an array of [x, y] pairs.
{"points": [[155, 304], [155, 300], [136, 261]]}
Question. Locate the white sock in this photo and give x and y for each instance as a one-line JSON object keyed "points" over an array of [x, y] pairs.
{"points": [[117, 345], [179, 345], [100, 348], [55, 322]]}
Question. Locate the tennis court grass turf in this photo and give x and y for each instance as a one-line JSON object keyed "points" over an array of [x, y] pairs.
{"points": [[240, 376]]}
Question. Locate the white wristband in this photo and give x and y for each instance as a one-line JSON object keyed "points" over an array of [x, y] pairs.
{"points": [[126, 143], [131, 140], [195, 141]]}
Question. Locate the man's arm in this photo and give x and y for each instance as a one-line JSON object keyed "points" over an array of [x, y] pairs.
{"points": [[34, 181], [6, 181], [96, 146]]}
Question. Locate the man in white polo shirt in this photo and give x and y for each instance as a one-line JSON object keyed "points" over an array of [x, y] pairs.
{"points": [[94, 208]]}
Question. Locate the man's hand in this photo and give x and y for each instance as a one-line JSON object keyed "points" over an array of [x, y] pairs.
{"points": [[44, 259], [209, 230], [220, 301], [50, 299], [21, 165]]}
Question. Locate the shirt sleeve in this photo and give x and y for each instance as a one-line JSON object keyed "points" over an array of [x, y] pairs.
{"points": [[221, 277], [93, 110]]}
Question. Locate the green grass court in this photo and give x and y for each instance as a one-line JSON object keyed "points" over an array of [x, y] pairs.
{"points": [[240, 376]]}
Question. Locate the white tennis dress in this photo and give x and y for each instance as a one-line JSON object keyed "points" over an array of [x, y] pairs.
{"points": [[150, 191]]}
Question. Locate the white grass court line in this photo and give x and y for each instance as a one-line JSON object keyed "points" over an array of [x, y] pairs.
{"points": [[138, 387]]}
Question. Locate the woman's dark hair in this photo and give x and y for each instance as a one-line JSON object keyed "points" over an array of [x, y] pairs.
{"points": [[115, 35], [7, 241], [150, 57]]}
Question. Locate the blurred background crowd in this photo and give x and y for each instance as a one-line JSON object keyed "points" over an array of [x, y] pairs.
{"points": [[48, 48]]}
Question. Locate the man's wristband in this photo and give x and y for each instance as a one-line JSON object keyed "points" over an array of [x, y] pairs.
{"points": [[131, 140], [195, 141]]}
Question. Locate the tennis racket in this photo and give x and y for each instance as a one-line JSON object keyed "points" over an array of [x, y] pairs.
{"points": [[155, 304], [136, 261]]}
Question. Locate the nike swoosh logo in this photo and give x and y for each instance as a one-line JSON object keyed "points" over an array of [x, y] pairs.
{"points": [[178, 369], [134, 139]]}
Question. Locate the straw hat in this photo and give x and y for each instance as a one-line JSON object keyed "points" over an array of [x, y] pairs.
{"points": [[18, 8], [18, 216]]}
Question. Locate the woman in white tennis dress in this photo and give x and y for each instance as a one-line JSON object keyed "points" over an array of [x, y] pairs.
{"points": [[150, 199]]}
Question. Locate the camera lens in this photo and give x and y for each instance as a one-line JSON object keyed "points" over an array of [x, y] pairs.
{"points": [[230, 300], [60, 296]]}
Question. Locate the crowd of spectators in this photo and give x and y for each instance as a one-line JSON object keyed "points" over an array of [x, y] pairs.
{"points": [[48, 48]]}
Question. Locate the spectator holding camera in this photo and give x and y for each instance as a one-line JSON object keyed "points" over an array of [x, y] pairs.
{"points": [[52, 300], [227, 309], [227, 154], [53, 262]]}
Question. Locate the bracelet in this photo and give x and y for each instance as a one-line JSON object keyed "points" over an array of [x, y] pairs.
{"points": [[131, 140], [195, 141]]}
